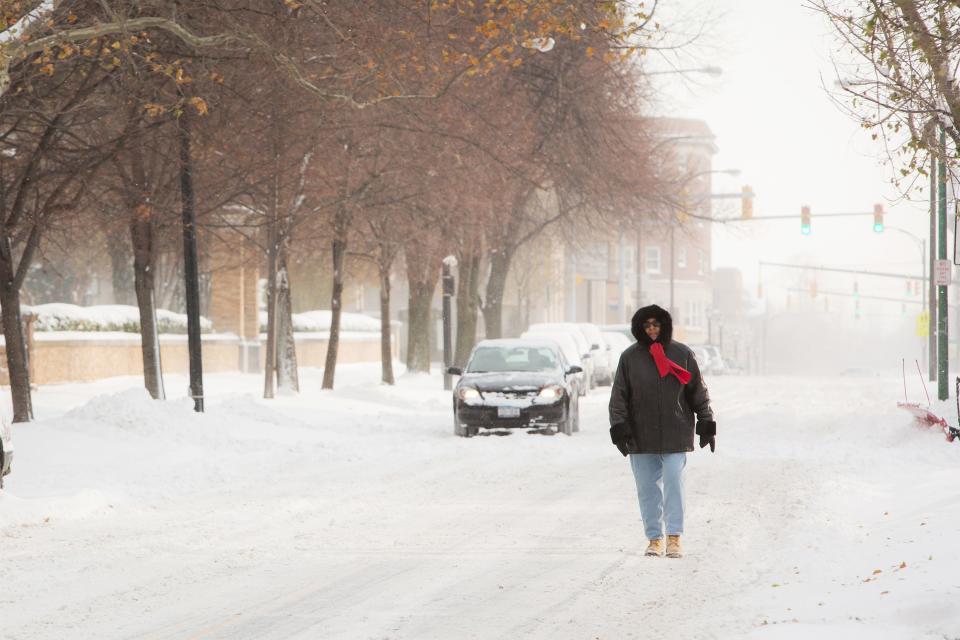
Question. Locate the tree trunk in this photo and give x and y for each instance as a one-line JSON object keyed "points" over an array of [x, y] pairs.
{"points": [[336, 301], [287, 377], [141, 236], [16, 348], [468, 299], [496, 284], [386, 352], [270, 356], [418, 340], [120, 268]]}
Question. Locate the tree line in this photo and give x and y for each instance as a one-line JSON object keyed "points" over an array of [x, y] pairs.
{"points": [[394, 132]]}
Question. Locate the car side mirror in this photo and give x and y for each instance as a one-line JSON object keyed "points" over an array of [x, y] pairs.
{"points": [[455, 371], [574, 369]]}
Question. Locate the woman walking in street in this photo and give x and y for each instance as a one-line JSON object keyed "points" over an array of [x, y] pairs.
{"points": [[657, 393]]}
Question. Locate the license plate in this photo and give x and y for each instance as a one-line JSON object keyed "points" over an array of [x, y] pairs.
{"points": [[508, 412]]}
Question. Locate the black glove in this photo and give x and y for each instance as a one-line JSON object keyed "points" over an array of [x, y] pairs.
{"points": [[707, 430], [620, 435]]}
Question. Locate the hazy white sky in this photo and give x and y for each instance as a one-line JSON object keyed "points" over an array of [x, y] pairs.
{"points": [[775, 122]]}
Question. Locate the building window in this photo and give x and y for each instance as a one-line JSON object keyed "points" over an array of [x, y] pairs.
{"points": [[702, 267], [653, 259], [682, 258]]}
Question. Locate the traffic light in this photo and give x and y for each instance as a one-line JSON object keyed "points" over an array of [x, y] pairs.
{"points": [[805, 220], [746, 202], [813, 289], [878, 218], [759, 290]]}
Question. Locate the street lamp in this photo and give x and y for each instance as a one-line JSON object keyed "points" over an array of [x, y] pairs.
{"points": [[673, 225]]}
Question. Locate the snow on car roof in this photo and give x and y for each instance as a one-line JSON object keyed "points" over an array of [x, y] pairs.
{"points": [[517, 342]]}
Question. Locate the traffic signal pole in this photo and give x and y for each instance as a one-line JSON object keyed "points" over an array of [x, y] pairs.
{"points": [[931, 287], [942, 336]]}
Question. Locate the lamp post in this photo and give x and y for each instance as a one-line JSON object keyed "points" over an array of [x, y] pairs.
{"points": [[449, 289], [709, 70], [674, 222]]}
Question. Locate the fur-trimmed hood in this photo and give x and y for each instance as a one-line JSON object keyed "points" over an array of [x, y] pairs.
{"points": [[657, 313]]}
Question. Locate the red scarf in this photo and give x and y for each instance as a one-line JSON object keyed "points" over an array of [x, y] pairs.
{"points": [[667, 366]]}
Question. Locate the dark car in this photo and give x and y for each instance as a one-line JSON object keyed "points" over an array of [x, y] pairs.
{"points": [[515, 384], [6, 450]]}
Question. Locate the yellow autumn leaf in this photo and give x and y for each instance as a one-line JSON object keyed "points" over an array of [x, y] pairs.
{"points": [[200, 105], [154, 110]]}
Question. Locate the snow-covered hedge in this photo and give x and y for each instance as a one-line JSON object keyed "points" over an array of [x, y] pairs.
{"points": [[60, 316], [319, 321]]}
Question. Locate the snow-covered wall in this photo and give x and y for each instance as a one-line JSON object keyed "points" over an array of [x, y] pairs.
{"points": [[60, 316]]}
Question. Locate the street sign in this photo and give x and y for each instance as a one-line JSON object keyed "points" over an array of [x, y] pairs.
{"points": [[923, 324], [941, 273]]}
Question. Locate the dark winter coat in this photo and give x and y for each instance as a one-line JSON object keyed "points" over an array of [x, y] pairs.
{"points": [[660, 412]]}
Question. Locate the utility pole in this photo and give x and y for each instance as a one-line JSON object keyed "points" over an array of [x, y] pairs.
{"points": [[942, 336]]}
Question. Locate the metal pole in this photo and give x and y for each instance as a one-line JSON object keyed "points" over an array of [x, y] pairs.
{"points": [[931, 287], [622, 311], [942, 335], [923, 290], [672, 264], [190, 271], [640, 264], [448, 288]]}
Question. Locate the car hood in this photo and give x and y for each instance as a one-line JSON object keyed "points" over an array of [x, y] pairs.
{"points": [[507, 381]]}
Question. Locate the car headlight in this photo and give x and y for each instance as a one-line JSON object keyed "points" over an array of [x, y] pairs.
{"points": [[551, 393], [468, 393]]}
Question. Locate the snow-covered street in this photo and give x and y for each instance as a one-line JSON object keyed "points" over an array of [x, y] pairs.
{"points": [[357, 514]]}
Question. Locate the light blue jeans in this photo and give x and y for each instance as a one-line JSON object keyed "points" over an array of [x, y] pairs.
{"points": [[659, 479]]}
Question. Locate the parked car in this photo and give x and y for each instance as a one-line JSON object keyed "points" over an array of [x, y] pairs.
{"points": [[583, 343], [515, 384], [571, 353], [6, 450], [624, 329], [602, 373], [703, 357], [717, 364], [616, 343]]}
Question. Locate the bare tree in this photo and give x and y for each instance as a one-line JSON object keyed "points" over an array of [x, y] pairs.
{"points": [[899, 74]]}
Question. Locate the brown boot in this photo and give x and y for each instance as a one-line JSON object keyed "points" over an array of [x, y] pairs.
{"points": [[674, 550], [655, 548]]}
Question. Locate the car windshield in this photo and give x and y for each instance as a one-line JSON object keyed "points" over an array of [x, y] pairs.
{"points": [[519, 359]]}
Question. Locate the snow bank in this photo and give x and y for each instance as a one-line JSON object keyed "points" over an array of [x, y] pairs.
{"points": [[319, 321], [60, 316]]}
